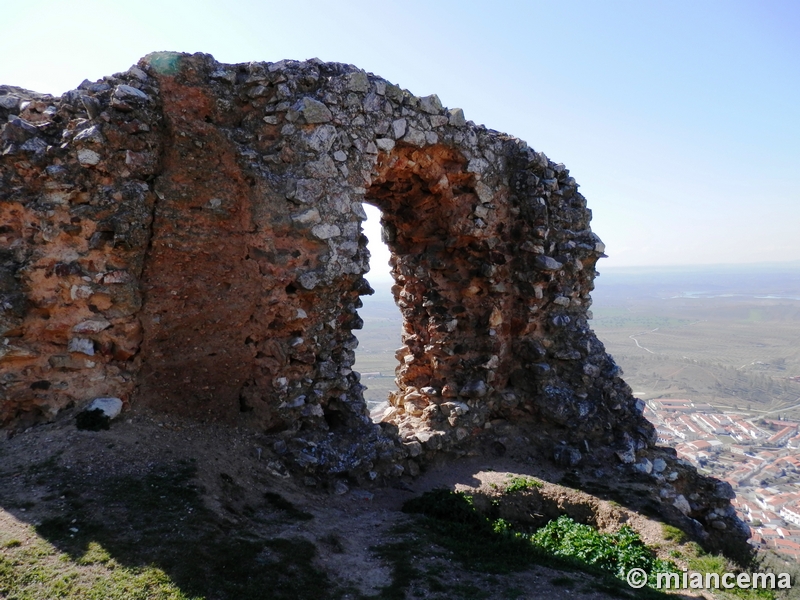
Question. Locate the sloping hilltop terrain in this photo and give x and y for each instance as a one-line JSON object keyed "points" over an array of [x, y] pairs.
{"points": [[166, 507], [184, 241]]}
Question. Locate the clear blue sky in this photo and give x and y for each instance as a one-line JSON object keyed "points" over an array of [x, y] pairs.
{"points": [[680, 120]]}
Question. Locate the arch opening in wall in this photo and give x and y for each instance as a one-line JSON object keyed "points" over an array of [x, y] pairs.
{"points": [[427, 200], [380, 335]]}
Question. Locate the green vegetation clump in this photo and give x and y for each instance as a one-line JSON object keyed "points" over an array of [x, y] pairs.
{"points": [[616, 553], [486, 543], [522, 483]]}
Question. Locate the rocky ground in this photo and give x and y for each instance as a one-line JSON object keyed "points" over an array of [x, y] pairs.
{"points": [[216, 513]]}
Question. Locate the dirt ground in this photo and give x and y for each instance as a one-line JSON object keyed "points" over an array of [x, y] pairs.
{"points": [[188, 496]]}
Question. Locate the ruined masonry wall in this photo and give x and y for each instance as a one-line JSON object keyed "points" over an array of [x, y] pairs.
{"points": [[186, 236]]}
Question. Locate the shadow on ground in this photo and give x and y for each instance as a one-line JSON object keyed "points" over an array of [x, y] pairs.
{"points": [[158, 519]]}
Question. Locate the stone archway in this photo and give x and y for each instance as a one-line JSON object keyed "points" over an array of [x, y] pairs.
{"points": [[428, 201], [421, 193], [486, 305], [186, 236], [207, 236]]}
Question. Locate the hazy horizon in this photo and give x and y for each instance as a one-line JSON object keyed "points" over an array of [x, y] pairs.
{"points": [[379, 257]]}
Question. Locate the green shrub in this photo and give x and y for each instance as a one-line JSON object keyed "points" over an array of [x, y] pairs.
{"points": [[616, 553]]}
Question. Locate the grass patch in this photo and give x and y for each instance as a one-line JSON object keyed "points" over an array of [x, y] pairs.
{"points": [[521, 484], [95, 555], [150, 536], [459, 527], [40, 572], [673, 534], [708, 563]]}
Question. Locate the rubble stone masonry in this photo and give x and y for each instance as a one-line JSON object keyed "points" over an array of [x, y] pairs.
{"points": [[186, 236]]}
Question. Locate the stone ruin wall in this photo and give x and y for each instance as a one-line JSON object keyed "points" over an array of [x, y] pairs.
{"points": [[186, 236]]}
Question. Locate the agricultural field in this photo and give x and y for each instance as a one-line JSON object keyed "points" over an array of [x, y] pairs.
{"points": [[722, 336], [727, 336], [377, 343]]}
